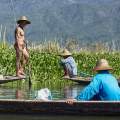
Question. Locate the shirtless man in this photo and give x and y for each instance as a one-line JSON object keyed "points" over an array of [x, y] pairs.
{"points": [[22, 54]]}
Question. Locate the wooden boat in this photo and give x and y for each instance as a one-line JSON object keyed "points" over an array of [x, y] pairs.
{"points": [[59, 107], [82, 80], [7, 79]]}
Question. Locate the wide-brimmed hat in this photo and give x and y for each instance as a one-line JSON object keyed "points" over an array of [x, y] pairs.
{"points": [[65, 53], [23, 19], [102, 65]]}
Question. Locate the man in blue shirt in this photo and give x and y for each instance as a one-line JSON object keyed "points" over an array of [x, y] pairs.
{"points": [[68, 63], [103, 85]]}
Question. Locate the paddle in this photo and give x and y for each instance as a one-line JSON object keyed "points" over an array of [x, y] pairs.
{"points": [[29, 68], [29, 76]]}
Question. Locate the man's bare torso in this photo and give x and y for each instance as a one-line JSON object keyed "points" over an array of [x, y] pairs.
{"points": [[19, 38]]}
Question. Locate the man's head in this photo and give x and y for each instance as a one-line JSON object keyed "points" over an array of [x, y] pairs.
{"points": [[102, 65], [65, 53], [23, 21]]}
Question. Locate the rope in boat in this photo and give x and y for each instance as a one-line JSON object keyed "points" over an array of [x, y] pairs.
{"points": [[84, 74]]}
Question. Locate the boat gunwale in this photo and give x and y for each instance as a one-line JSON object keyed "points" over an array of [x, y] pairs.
{"points": [[55, 101]]}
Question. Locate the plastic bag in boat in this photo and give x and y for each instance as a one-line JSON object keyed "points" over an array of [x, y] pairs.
{"points": [[44, 94]]}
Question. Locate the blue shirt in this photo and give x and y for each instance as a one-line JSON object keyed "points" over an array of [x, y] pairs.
{"points": [[104, 85], [70, 64]]}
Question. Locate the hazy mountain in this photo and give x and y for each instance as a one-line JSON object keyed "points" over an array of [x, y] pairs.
{"points": [[84, 20]]}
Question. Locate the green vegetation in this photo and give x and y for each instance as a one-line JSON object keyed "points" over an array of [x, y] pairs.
{"points": [[45, 68]]}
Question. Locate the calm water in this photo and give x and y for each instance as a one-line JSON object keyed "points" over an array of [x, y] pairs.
{"points": [[61, 92]]}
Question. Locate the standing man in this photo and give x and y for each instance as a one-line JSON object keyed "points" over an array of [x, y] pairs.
{"points": [[22, 54]]}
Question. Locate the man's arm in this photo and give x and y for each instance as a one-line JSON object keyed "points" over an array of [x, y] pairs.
{"points": [[90, 91]]}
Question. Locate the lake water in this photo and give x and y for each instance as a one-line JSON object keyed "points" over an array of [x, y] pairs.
{"points": [[60, 92]]}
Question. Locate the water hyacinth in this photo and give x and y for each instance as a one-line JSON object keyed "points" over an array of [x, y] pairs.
{"points": [[45, 66]]}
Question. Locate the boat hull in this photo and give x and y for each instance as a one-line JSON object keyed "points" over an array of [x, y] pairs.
{"points": [[7, 79], [59, 107], [82, 81]]}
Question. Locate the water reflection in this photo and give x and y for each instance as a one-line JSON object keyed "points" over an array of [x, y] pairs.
{"points": [[6, 93], [72, 91], [54, 94], [20, 94]]}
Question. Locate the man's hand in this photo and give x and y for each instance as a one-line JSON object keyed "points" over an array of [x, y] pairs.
{"points": [[70, 101]]}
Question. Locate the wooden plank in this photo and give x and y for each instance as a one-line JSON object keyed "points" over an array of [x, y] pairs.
{"points": [[82, 80], [7, 79], [60, 107]]}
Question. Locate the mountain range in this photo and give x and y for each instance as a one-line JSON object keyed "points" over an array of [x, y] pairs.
{"points": [[83, 20]]}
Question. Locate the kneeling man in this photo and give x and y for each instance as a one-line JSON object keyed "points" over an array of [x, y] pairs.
{"points": [[68, 63]]}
